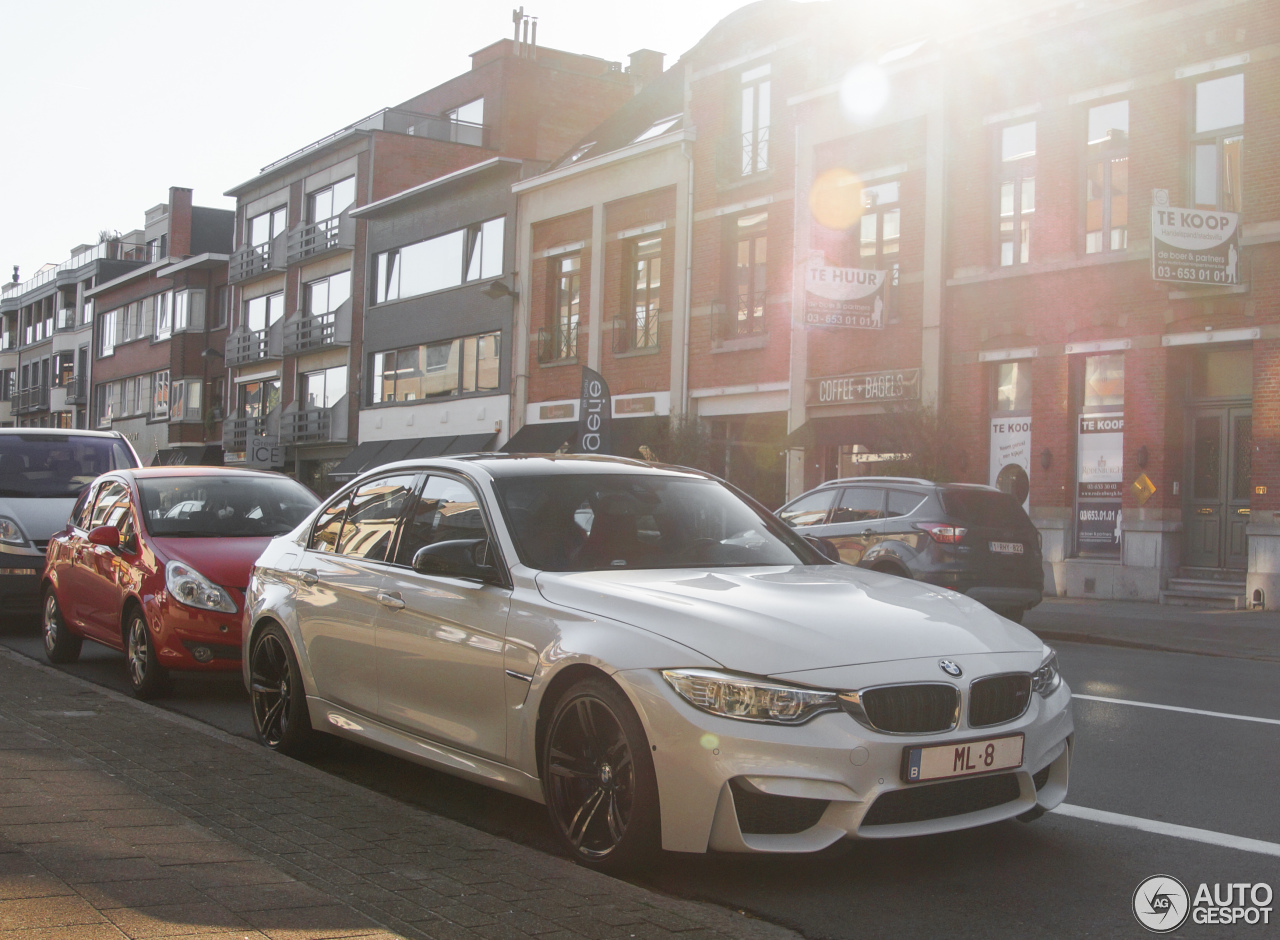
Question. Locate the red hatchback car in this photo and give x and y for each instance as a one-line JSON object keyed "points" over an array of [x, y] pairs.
{"points": [[155, 562]]}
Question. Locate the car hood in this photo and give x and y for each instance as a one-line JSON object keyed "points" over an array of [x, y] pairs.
{"points": [[223, 561], [38, 518], [770, 621]]}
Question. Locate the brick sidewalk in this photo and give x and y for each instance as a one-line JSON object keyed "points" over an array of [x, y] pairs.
{"points": [[118, 819]]}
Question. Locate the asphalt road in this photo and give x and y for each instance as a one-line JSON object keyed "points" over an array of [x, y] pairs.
{"points": [[1058, 876]]}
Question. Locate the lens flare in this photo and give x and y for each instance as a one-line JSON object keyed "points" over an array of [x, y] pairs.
{"points": [[864, 91], [835, 199]]}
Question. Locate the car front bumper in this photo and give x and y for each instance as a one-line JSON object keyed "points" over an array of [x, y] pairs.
{"points": [[712, 773], [20, 582]]}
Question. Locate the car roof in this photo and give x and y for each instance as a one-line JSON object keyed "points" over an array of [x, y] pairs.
{"points": [[151, 473], [900, 481], [61, 432], [501, 466]]}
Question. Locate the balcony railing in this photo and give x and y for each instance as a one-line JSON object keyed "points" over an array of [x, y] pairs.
{"points": [[253, 260], [557, 345], [255, 345], [321, 331], [742, 156], [77, 393], [632, 333], [315, 425], [113, 250], [457, 132], [319, 237], [27, 400], [238, 432], [744, 316]]}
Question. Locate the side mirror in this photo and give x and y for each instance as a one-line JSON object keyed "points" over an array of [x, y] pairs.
{"points": [[107, 536], [457, 558], [825, 546]]}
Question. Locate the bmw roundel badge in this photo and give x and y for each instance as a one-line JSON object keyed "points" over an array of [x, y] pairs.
{"points": [[950, 668]]}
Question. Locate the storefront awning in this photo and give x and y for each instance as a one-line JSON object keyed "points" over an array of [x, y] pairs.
{"points": [[542, 438], [372, 454], [876, 432]]}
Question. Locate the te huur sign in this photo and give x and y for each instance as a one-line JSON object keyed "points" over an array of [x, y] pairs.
{"points": [[864, 387]]}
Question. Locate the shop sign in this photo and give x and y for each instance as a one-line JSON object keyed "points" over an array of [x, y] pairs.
{"points": [[560, 412], [1099, 483], [1098, 527], [594, 414], [1011, 457], [1192, 246], [644, 405], [844, 297], [264, 452], [863, 387]]}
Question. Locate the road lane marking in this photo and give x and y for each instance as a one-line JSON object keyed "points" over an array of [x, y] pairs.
{"points": [[1207, 836], [1175, 708]]}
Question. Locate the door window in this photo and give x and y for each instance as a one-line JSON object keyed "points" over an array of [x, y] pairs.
{"points": [[109, 496], [859, 504], [808, 510], [324, 537], [446, 510], [376, 508], [83, 508], [902, 503]]}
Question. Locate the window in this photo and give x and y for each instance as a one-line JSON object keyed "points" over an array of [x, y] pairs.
{"points": [[7, 379], [160, 395], [324, 537], [750, 269], [184, 400], [108, 323], [448, 260], [64, 369], [218, 318], [808, 510], [164, 315], [559, 341], [376, 508], [881, 225], [1017, 192], [112, 501], [902, 503], [332, 201], [325, 388], [658, 128], [644, 287], [1013, 386], [1107, 178], [755, 120], [1104, 382], [188, 310], [466, 123], [437, 370], [86, 313], [261, 229], [62, 419], [262, 312], [859, 504], [327, 294], [217, 396], [446, 510], [109, 403], [258, 399], [1219, 143]]}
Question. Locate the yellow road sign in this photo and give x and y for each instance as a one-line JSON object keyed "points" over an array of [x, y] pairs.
{"points": [[1143, 488]]}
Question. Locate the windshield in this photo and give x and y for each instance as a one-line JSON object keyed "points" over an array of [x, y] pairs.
{"points": [[592, 522], [57, 466], [223, 506], [983, 508]]}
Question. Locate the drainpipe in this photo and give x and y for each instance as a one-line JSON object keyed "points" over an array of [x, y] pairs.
{"points": [[686, 147]]}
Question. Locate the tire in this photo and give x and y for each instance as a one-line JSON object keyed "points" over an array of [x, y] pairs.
{"points": [[147, 677], [596, 758], [277, 695], [60, 644]]}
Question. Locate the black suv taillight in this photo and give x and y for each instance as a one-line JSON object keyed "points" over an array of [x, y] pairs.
{"points": [[943, 533]]}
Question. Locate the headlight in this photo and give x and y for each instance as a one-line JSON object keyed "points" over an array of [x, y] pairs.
{"points": [[748, 699], [193, 589], [1046, 679], [10, 534]]}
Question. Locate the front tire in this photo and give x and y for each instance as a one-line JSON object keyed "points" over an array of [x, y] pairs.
{"points": [[60, 644], [279, 699], [598, 778], [147, 677]]}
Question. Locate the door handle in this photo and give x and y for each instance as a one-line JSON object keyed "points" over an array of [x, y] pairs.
{"points": [[392, 600], [308, 576], [868, 532]]}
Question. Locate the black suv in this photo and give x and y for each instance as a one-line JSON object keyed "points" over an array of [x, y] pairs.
{"points": [[969, 538]]}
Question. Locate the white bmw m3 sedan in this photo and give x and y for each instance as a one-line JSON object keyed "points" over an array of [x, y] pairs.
{"points": [[652, 655]]}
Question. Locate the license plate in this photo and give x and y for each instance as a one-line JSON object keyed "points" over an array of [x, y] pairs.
{"points": [[965, 759], [1007, 548]]}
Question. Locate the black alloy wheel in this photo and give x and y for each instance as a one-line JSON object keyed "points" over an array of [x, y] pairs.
{"points": [[147, 677], [278, 697], [60, 644], [598, 778]]}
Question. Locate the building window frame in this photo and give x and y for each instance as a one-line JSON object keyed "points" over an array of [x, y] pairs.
{"points": [[1106, 178], [329, 202], [459, 357], [476, 252], [755, 96], [1217, 151], [1015, 191], [558, 342], [746, 274], [1011, 388], [642, 294]]}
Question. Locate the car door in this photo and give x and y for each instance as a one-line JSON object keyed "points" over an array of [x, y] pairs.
{"points": [[338, 581], [440, 639], [67, 556], [898, 535], [100, 603], [856, 522]]}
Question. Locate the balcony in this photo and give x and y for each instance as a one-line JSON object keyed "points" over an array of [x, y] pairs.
{"points": [[244, 346], [320, 237], [28, 400], [254, 260], [314, 425], [741, 157], [558, 345], [77, 392], [238, 432], [305, 334], [632, 335]]}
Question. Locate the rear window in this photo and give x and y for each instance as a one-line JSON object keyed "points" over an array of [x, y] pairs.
{"points": [[984, 508], [57, 466]]}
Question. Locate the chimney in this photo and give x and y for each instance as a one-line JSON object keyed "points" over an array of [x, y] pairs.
{"points": [[179, 243], [645, 65]]}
